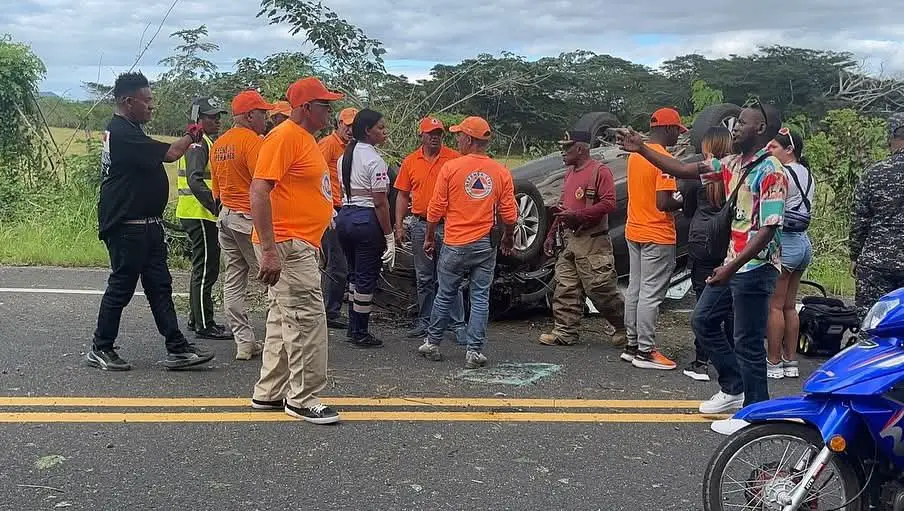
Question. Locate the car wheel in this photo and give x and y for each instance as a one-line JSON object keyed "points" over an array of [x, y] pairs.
{"points": [[724, 115], [597, 123], [531, 226]]}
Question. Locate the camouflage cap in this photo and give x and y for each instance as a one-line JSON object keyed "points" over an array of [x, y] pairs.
{"points": [[896, 125]]}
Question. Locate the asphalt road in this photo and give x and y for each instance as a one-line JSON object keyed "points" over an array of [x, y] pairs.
{"points": [[542, 428]]}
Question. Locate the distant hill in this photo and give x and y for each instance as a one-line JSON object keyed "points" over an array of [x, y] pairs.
{"points": [[47, 94]]}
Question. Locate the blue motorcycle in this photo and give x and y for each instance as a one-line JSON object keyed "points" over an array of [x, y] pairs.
{"points": [[837, 446]]}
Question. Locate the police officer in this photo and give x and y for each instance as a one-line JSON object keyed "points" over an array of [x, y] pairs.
{"points": [[364, 224], [586, 264], [134, 191], [197, 210], [877, 224]]}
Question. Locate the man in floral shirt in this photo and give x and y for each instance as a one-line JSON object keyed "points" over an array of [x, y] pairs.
{"points": [[746, 280]]}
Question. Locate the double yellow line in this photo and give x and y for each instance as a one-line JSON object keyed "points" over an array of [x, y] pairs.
{"points": [[463, 409]]}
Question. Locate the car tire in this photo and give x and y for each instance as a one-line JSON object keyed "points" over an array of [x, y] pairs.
{"points": [[597, 123], [723, 114], [531, 226]]}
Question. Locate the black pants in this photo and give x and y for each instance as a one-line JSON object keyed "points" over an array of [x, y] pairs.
{"points": [[701, 269], [138, 251], [205, 269]]}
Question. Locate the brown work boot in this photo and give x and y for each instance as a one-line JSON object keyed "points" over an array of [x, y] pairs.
{"points": [[619, 338], [553, 340], [247, 352]]}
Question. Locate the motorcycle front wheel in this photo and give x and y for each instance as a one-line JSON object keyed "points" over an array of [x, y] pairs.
{"points": [[756, 468]]}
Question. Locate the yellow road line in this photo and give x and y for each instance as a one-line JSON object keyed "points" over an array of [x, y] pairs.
{"points": [[377, 416], [459, 402]]}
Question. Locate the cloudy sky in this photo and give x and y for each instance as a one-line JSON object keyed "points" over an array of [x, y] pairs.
{"points": [[96, 39]]}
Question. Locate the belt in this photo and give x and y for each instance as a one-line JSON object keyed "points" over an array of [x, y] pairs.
{"points": [[144, 221]]}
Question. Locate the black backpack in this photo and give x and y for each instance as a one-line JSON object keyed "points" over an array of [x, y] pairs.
{"points": [[827, 325]]}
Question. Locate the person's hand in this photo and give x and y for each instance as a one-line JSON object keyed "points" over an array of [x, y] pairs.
{"points": [[569, 218], [508, 244], [270, 267], [629, 140], [720, 276], [549, 246], [854, 269], [389, 254], [429, 248], [400, 234], [195, 131]]}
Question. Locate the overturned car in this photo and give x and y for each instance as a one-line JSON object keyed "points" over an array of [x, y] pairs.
{"points": [[526, 278]]}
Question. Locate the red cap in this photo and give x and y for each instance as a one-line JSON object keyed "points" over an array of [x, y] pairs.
{"points": [[281, 107], [429, 124], [347, 116], [310, 89], [667, 117], [474, 127], [248, 101]]}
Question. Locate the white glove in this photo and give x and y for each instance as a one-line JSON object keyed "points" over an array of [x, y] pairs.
{"points": [[333, 219], [389, 254]]}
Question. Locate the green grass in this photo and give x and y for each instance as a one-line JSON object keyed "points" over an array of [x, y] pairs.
{"points": [[833, 272]]}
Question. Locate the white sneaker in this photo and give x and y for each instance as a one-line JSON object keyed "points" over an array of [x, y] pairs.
{"points": [[775, 371], [728, 427], [721, 403], [791, 368], [474, 360], [431, 351]]}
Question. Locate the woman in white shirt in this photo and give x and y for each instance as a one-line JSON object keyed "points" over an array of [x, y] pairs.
{"points": [[363, 224], [797, 252]]}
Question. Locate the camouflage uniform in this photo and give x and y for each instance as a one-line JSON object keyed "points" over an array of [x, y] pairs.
{"points": [[877, 227]]}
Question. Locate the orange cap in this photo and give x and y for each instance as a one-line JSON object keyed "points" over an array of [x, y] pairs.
{"points": [[474, 127], [281, 107], [347, 116], [310, 89], [429, 124], [667, 117], [249, 100]]}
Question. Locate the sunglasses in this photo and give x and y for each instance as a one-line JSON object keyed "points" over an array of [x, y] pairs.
{"points": [[787, 133], [325, 104], [755, 100]]}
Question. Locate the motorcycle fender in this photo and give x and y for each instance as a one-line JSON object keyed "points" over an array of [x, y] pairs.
{"points": [[829, 417]]}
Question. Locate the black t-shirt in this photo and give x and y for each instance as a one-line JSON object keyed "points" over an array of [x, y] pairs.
{"points": [[133, 181]]}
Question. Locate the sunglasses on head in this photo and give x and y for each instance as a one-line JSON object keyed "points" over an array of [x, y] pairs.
{"points": [[755, 100], [787, 133]]}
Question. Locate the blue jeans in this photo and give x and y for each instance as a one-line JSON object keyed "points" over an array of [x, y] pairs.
{"points": [[476, 261], [363, 243], [742, 367], [426, 270]]}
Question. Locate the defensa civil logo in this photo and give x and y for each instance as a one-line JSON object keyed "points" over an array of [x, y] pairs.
{"points": [[478, 185], [325, 187]]}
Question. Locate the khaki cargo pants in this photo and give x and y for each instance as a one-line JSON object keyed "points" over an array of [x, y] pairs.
{"points": [[240, 262], [586, 267], [294, 360]]}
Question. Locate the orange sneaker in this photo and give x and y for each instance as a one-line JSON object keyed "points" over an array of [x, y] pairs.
{"points": [[653, 360]]}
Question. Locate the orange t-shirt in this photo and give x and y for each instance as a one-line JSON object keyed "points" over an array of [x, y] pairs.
{"points": [[646, 223], [417, 175], [469, 191], [232, 160], [332, 147], [301, 201]]}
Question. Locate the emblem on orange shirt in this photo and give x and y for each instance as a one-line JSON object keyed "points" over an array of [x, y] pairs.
{"points": [[325, 187], [478, 185], [579, 193]]}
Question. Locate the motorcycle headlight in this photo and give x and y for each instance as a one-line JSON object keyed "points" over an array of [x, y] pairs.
{"points": [[877, 313]]}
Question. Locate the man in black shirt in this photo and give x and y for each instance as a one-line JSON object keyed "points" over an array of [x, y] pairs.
{"points": [[133, 194]]}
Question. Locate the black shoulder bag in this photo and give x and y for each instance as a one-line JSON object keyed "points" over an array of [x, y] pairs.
{"points": [[718, 226]]}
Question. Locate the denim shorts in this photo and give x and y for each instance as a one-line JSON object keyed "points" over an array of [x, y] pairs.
{"points": [[797, 251]]}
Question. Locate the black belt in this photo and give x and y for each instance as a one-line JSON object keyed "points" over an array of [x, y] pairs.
{"points": [[144, 221]]}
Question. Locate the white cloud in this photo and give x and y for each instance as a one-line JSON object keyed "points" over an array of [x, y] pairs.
{"points": [[73, 37]]}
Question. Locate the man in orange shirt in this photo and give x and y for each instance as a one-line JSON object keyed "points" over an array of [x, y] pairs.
{"points": [[232, 160], [415, 183], [651, 239], [469, 192], [334, 280], [292, 206]]}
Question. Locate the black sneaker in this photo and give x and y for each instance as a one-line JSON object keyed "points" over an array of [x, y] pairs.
{"points": [[189, 356], [336, 324], [629, 353], [215, 332], [258, 404], [317, 414], [698, 371], [417, 332], [107, 359], [367, 342]]}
